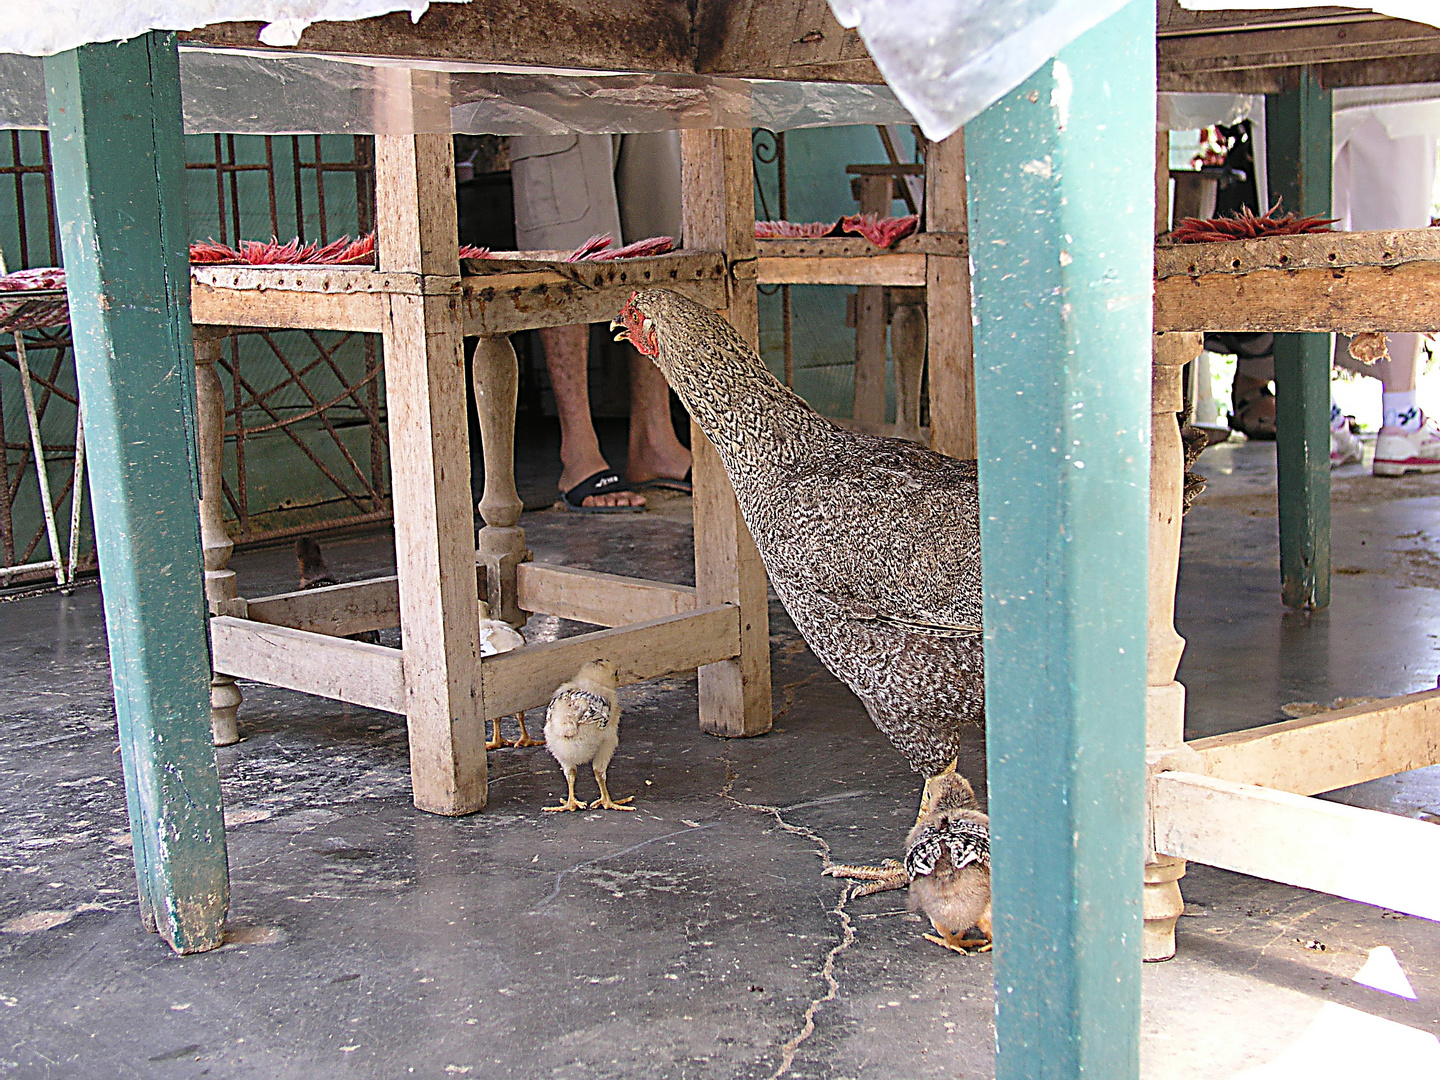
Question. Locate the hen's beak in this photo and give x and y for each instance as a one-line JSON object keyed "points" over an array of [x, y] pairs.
{"points": [[623, 335]]}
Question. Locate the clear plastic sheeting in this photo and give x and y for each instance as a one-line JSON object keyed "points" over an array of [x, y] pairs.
{"points": [[247, 92], [948, 60], [1421, 11], [1190, 112], [58, 25]]}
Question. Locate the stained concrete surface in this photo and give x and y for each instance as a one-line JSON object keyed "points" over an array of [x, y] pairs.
{"points": [[694, 938]]}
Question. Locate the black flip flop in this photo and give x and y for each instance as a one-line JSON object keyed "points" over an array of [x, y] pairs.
{"points": [[604, 482], [683, 485]]}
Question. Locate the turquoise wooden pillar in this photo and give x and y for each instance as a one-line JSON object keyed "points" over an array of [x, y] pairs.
{"points": [[116, 143], [1298, 141], [1061, 237]]}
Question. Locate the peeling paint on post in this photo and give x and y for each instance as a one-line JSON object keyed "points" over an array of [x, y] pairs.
{"points": [[1061, 238], [116, 142]]}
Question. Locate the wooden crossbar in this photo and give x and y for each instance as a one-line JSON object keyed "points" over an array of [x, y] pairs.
{"points": [[332, 667], [1382, 859], [601, 599], [349, 608], [1330, 750]]}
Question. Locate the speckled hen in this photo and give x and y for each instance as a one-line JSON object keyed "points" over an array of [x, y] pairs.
{"points": [[872, 544]]}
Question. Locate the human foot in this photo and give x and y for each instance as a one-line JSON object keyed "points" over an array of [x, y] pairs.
{"points": [[600, 492]]}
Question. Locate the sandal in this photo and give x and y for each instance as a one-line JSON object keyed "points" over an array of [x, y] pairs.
{"points": [[1252, 410], [684, 485], [604, 482]]}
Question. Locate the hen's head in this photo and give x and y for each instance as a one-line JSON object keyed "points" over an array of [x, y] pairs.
{"points": [[637, 327]]}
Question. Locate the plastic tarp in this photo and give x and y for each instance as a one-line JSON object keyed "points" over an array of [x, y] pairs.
{"points": [[948, 60], [254, 92]]}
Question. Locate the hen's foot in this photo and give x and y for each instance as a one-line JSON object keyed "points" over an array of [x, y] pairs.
{"points": [[962, 945], [607, 803], [889, 875], [571, 803]]}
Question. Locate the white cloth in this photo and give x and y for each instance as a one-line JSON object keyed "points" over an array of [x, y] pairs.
{"points": [[58, 25]]}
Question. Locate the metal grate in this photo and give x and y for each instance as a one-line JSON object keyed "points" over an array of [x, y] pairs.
{"points": [[318, 394]]}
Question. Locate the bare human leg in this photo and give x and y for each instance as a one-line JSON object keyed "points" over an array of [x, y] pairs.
{"points": [[567, 359]]}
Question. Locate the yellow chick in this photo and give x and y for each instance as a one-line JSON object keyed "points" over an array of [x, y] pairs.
{"points": [[582, 724], [498, 637], [947, 858]]}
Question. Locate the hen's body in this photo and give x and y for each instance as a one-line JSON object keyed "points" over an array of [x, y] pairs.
{"points": [[872, 544]]}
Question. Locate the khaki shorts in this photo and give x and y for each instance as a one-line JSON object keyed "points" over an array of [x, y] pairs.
{"points": [[569, 188]]}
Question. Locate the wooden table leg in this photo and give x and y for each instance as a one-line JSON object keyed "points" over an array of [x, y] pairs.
{"points": [[1165, 698], [868, 404], [430, 467], [908, 329], [119, 164], [501, 540], [220, 584], [950, 333], [719, 215]]}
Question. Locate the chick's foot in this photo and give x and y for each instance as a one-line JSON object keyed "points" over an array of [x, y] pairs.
{"points": [[526, 739], [959, 944], [571, 803], [497, 741], [607, 803]]}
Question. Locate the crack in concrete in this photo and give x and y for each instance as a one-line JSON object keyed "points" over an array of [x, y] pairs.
{"points": [[847, 928]]}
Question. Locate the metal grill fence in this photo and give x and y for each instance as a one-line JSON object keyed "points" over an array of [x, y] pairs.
{"points": [[307, 398]]}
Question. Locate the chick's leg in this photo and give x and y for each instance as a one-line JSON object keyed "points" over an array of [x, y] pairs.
{"points": [[605, 802], [497, 741], [526, 739], [956, 943], [570, 803]]}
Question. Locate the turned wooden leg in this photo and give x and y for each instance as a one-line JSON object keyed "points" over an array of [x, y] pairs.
{"points": [[1165, 705], [220, 584], [501, 540], [907, 347]]}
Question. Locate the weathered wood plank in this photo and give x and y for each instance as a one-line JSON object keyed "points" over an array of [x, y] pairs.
{"points": [[1397, 299], [332, 667], [430, 466], [879, 269], [119, 171], [1382, 859], [600, 599], [582, 293], [926, 243], [349, 608], [214, 305], [1312, 251], [750, 37], [1331, 749], [629, 35], [525, 678], [950, 332], [718, 212]]}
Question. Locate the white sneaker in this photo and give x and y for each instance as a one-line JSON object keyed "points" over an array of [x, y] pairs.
{"points": [[1345, 447], [1398, 452]]}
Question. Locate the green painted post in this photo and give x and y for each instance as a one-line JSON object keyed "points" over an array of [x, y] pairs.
{"points": [[116, 143], [1298, 141], [1061, 238]]}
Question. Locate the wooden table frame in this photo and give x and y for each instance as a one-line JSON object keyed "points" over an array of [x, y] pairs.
{"points": [[422, 306]]}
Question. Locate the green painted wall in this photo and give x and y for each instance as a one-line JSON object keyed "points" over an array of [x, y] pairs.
{"points": [[818, 189]]}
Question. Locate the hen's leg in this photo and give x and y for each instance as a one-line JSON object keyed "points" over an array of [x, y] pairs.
{"points": [[526, 739], [889, 875], [570, 803], [605, 802]]}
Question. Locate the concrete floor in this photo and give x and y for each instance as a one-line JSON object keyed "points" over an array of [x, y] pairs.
{"points": [[695, 938]]}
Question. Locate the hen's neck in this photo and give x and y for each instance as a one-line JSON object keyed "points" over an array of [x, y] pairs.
{"points": [[752, 417]]}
